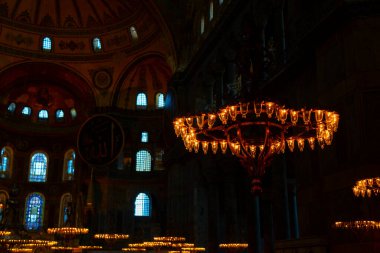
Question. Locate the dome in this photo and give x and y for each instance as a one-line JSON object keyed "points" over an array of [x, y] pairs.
{"points": [[69, 14]]}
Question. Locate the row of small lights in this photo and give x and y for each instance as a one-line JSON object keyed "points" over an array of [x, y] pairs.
{"points": [[111, 236], [67, 230], [324, 136], [360, 224]]}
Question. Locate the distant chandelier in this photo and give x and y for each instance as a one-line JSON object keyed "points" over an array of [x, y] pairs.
{"points": [[367, 187], [256, 131], [357, 225]]}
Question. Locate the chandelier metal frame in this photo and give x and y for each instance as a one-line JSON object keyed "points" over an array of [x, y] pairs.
{"points": [[256, 131]]}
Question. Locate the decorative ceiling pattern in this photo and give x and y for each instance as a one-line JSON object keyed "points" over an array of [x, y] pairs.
{"points": [[68, 14]]}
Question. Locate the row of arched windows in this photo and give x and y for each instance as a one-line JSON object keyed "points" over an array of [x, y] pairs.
{"points": [[35, 207], [47, 42], [39, 161], [38, 166], [43, 114], [142, 101]]}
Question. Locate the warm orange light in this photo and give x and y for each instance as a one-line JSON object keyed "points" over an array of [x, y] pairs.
{"points": [[214, 147], [293, 117], [318, 115], [205, 147], [270, 106], [244, 110], [282, 115], [223, 146], [257, 107], [201, 121], [223, 116], [211, 120], [301, 144], [233, 112], [290, 143]]}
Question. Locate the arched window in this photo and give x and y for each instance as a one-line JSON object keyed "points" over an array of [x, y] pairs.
{"points": [[27, 111], [73, 113], [220, 2], [38, 167], [46, 44], [160, 101], [65, 210], [6, 162], [211, 16], [144, 136], [143, 161], [12, 107], [202, 25], [69, 165], [142, 205], [141, 101], [43, 114], [3, 204], [59, 114], [34, 211], [133, 33], [97, 45]]}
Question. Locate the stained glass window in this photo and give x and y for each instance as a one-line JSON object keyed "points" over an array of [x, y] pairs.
{"points": [[160, 100], [26, 111], [34, 210], [142, 205], [59, 114], [144, 137], [5, 162], [38, 167], [65, 211], [11, 107], [69, 165], [43, 114], [141, 101], [46, 44], [143, 161], [97, 44]]}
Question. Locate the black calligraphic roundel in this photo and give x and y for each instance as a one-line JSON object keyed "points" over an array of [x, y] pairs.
{"points": [[100, 140]]}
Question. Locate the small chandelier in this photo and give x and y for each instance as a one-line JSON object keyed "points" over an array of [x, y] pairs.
{"points": [[256, 131], [367, 187]]}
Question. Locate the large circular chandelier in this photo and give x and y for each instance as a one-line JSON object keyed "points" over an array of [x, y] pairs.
{"points": [[256, 131]]}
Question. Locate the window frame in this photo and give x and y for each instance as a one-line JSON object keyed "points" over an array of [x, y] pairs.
{"points": [[46, 169], [44, 112], [44, 38], [8, 152], [140, 106], [138, 164], [29, 109], [66, 198], [69, 154], [141, 212], [97, 45], [158, 95], [41, 209]]}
